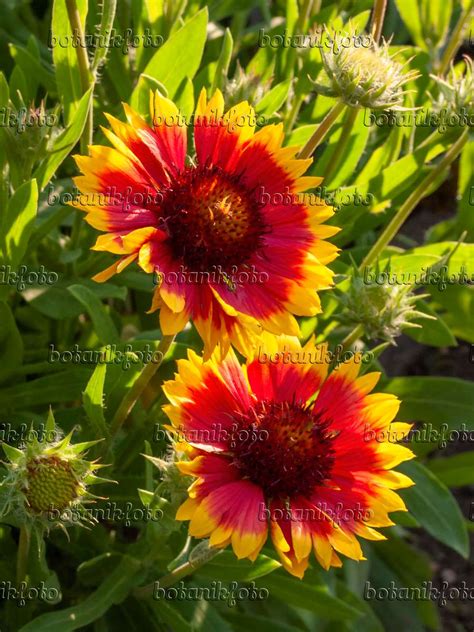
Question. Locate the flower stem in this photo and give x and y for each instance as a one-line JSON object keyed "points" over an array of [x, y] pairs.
{"points": [[342, 143], [132, 396], [378, 16], [86, 79], [299, 28], [22, 555], [295, 108], [455, 41], [171, 578], [323, 128], [349, 340], [411, 202], [83, 64]]}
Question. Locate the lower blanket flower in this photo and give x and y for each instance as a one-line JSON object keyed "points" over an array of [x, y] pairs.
{"points": [[281, 446]]}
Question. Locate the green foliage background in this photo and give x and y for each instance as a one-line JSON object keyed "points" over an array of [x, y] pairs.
{"points": [[98, 570]]}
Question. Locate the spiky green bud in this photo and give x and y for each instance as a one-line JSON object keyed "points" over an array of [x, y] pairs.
{"points": [[245, 87], [383, 309], [173, 483], [456, 95], [45, 480], [29, 134], [363, 76]]}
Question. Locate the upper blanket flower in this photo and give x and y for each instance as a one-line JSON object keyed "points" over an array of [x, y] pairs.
{"points": [[235, 245]]}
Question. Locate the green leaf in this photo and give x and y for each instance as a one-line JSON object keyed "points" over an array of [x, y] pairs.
{"points": [[18, 223], [64, 143], [413, 567], [104, 326], [312, 594], [140, 99], [245, 622], [117, 71], [62, 387], [11, 343], [391, 182], [226, 567], [435, 16], [112, 591], [93, 401], [433, 332], [222, 8], [206, 617], [458, 301], [388, 152], [95, 570], [171, 616], [4, 91], [184, 98], [368, 622], [345, 167], [410, 13], [454, 471], [395, 614], [433, 505], [180, 55], [408, 267], [223, 62], [33, 67], [274, 99], [56, 302], [38, 569], [68, 78], [430, 399], [18, 83], [465, 193], [462, 258]]}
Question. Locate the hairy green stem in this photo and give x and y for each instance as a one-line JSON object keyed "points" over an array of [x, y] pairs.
{"points": [[378, 16], [299, 28], [323, 128], [455, 41], [351, 337], [135, 392], [342, 143], [171, 578], [295, 108], [106, 23], [86, 80], [83, 63], [22, 555], [411, 202]]}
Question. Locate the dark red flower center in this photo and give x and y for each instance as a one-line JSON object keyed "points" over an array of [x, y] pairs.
{"points": [[211, 218], [284, 447]]}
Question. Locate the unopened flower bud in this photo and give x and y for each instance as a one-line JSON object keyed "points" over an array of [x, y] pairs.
{"points": [[363, 76]]}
